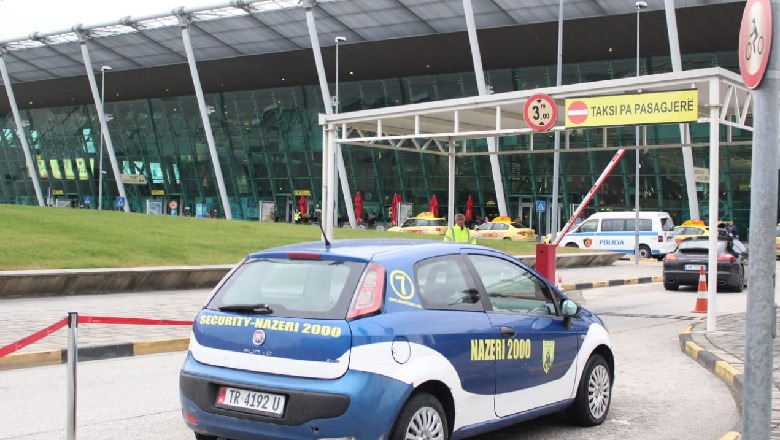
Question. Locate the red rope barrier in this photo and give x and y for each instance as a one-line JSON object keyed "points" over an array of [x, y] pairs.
{"points": [[131, 321], [35, 337]]}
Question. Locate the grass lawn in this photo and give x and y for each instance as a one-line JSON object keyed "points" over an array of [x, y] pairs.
{"points": [[64, 238]]}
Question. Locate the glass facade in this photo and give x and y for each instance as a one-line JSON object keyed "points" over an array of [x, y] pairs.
{"points": [[269, 145]]}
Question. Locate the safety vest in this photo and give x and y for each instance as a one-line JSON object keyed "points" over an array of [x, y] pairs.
{"points": [[461, 235]]}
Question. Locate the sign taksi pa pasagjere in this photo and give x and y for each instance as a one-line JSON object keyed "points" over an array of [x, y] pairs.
{"points": [[645, 108]]}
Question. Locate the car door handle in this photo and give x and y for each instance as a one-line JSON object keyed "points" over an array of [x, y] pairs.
{"points": [[507, 332]]}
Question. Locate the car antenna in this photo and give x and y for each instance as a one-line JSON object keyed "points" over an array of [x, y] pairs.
{"points": [[324, 236]]}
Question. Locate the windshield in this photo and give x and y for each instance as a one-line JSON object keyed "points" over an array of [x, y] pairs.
{"points": [[291, 288], [423, 222]]}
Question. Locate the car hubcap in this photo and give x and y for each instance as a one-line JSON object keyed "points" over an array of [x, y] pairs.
{"points": [[598, 392], [425, 425]]}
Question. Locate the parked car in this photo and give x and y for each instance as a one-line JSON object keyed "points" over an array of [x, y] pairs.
{"points": [[695, 228], [423, 223], [370, 338], [503, 228], [681, 267]]}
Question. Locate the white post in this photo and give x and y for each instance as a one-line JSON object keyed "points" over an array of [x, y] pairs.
{"points": [[712, 260], [73, 325]]}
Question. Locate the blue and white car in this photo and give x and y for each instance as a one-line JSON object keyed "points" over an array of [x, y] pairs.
{"points": [[389, 339]]}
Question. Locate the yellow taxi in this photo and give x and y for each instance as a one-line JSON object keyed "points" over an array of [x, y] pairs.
{"points": [[505, 229], [424, 223], [695, 228]]}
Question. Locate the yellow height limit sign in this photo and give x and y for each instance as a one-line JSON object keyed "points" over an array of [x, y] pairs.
{"points": [[645, 108]]}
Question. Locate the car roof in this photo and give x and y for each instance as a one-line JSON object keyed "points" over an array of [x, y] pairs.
{"points": [[368, 249]]}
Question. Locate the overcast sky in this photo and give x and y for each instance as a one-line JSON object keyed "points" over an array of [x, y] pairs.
{"points": [[19, 18]]}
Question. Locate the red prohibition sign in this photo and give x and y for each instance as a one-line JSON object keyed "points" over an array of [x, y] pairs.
{"points": [[172, 204], [577, 112], [540, 112], [755, 41]]}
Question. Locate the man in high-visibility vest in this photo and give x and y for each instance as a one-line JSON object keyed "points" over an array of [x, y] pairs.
{"points": [[459, 232]]}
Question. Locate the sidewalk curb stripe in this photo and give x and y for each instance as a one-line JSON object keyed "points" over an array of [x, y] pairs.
{"points": [[161, 346], [722, 369], [31, 359]]}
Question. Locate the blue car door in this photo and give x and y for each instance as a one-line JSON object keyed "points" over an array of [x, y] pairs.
{"points": [[537, 366]]}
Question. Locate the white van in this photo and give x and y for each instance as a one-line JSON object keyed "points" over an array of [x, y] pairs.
{"points": [[614, 231]]}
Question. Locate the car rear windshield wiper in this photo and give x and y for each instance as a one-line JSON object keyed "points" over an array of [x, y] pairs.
{"points": [[261, 309]]}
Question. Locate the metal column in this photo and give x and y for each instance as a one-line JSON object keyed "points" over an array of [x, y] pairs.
{"points": [[342, 170], [687, 152], [20, 129], [557, 147], [120, 186], [451, 181], [712, 259], [479, 74], [184, 23], [761, 318]]}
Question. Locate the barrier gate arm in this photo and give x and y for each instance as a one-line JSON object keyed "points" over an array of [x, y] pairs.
{"points": [[604, 174]]}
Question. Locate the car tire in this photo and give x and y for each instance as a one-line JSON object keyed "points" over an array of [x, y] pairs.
{"points": [[422, 417], [205, 437], [671, 286], [739, 286], [594, 394], [572, 245], [645, 252]]}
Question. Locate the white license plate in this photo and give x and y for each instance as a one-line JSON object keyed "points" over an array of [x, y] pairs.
{"points": [[251, 401], [694, 267]]}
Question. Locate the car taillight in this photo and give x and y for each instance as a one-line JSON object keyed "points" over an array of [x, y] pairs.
{"points": [[367, 299], [438, 229], [520, 233], [727, 257], [670, 257]]}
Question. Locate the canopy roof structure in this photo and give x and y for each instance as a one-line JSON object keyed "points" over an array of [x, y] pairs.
{"points": [[388, 37], [429, 127], [442, 127]]}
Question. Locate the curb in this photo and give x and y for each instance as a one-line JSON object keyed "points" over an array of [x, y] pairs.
{"points": [[611, 283], [725, 371], [57, 357]]}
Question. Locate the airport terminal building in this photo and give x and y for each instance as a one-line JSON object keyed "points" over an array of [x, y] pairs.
{"points": [[218, 108]]}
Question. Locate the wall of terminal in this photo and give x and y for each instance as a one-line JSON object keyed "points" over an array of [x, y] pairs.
{"points": [[270, 146]]}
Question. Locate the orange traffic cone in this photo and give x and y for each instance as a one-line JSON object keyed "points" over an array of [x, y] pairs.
{"points": [[701, 296]]}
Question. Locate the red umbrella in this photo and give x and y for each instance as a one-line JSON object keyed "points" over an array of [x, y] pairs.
{"points": [[433, 206], [469, 209], [393, 211], [302, 205], [358, 205]]}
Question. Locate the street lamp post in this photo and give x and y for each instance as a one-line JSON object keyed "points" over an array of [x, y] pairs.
{"points": [[639, 6], [103, 71]]}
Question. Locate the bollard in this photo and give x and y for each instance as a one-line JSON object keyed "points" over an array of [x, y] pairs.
{"points": [[545, 261], [73, 325]]}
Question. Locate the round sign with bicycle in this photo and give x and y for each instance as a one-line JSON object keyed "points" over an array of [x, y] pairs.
{"points": [[755, 41]]}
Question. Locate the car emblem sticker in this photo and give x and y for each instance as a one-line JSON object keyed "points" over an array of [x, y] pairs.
{"points": [[548, 354], [588, 242], [403, 287], [258, 337]]}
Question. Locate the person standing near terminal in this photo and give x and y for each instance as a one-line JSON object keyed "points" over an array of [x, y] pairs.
{"points": [[459, 232]]}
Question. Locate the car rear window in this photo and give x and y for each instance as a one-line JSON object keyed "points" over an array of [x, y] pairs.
{"points": [[319, 289], [699, 246]]}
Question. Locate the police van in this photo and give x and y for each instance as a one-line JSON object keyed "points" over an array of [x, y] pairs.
{"points": [[616, 231]]}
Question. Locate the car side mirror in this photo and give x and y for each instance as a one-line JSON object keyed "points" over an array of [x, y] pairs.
{"points": [[569, 308]]}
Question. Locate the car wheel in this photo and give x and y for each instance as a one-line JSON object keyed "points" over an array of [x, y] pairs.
{"points": [[422, 418], [594, 393], [205, 437], [644, 252], [571, 245], [671, 286], [740, 284]]}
